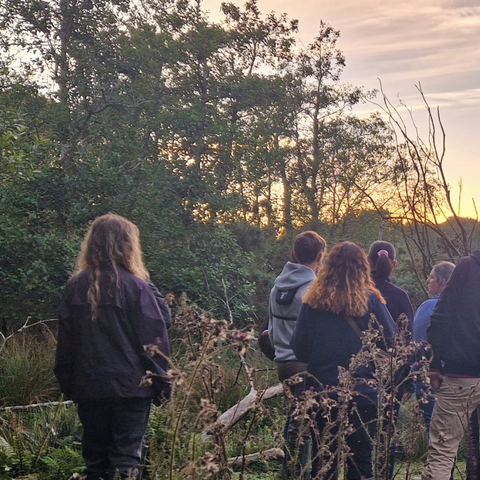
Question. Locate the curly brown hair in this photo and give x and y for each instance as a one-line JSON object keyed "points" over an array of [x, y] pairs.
{"points": [[111, 242], [344, 283]]}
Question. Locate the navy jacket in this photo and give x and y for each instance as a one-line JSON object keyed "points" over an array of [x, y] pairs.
{"points": [[454, 331], [324, 340], [164, 308], [398, 301], [106, 358]]}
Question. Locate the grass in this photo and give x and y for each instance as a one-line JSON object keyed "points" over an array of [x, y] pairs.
{"points": [[26, 369], [209, 377], [271, 473]]}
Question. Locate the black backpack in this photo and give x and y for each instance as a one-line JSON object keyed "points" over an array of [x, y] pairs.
{"points": [[263, 340]]}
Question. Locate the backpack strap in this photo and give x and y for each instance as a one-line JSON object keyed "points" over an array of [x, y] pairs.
{"points": [[354, 326], [280, 317]]}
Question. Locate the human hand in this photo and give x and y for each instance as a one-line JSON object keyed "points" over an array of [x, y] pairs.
{"points": [[406, 396], [436, 379]]}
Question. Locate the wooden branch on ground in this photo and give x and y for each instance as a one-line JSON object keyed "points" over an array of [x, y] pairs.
{"points": [[229, 418], [270, 454]]}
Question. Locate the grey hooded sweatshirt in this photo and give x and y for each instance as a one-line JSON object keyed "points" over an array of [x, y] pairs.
{"points": [[282, 317]]}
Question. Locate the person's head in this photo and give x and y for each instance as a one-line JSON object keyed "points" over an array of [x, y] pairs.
{"points": [[344, 283], [111, 242], [308, 248], [439, 276], [382, 257]]}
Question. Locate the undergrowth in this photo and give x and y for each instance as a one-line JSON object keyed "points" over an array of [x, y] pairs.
{"points": [[217, 416]]}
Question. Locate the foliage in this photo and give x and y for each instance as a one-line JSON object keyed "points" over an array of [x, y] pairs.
{"points": [[181, 445], [26, 374], [214, 366], [221, 141], [42, 444], [199, 132]]}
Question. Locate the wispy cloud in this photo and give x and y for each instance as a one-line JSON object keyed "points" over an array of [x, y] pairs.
{"points": [[404, 43]]}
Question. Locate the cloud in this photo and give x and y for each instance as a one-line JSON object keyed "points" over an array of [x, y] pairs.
{"points": [[460, 99], [460, 3], [404, 42], [410, 41]]}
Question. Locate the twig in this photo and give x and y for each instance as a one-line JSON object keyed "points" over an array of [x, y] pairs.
{"points": [[270, 454], [35, 405], [22, 328], [227, 303]]}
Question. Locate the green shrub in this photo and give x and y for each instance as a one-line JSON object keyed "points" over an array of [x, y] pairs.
{"points": [[26, 369]]}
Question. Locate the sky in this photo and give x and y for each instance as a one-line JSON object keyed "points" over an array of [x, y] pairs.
{"points": [[404, 43]]}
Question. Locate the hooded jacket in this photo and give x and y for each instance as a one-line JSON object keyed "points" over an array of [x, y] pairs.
{"points": [[283, 316], [454, 331]]}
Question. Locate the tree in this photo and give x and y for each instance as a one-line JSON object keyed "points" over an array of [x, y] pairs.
{"points": [[418, 200], [192, 129], [328, 147]]}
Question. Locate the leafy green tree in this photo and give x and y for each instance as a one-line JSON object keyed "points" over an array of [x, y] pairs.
{"points": [[321, 119], [192, 129], [35, 253]]}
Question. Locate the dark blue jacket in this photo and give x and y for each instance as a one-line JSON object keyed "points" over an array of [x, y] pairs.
{"points": [[324, 340], [105, 358], [162, 304], [398, 301]]}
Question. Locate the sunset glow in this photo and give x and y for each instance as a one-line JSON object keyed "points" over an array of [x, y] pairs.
{"points": [[405, 43]]}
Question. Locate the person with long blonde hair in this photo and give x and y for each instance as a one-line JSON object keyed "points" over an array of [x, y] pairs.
{"points": [[111, 331], [325, 339]]}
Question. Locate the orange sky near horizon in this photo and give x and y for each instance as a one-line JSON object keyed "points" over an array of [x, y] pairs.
{"points": [[404, 43]]}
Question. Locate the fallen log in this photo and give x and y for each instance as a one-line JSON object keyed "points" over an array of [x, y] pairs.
{"points": [[270, 454], [231, 416]]}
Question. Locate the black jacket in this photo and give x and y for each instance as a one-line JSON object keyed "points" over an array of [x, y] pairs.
{"points": [[105, 358], [325, 341], [398, 301], [454, 330], [164, 308]]}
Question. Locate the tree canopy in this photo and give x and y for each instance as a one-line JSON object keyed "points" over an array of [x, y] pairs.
{"points": [[215, 138]]}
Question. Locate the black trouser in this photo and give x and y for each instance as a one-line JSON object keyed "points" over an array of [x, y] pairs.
{"points": [[113, 432], [297, 459], [363, 420]]}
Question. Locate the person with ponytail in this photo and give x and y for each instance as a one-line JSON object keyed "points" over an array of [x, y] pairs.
{"points": [[111, 331], [382, 258], [340, 302]]}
